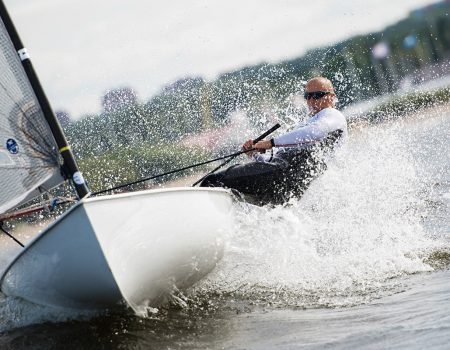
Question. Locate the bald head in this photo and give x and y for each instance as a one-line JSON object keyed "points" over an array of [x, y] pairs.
{"points": [[320, 84]]}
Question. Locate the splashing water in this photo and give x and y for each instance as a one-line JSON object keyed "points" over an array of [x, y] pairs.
{"points": [[351, 238], [357, 228]]}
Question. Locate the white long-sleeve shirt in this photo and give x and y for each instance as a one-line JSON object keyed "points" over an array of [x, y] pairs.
{"points": [[316, 129]]}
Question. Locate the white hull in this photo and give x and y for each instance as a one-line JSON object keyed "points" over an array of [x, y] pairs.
{"points": [[135, 247]]}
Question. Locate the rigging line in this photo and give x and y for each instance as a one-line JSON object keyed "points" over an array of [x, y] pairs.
{"points": [[10, 235], [259, 138], [169, 172], [232, 156], [214, 170]]}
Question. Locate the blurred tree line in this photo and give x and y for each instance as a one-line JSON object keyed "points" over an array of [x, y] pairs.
{"points": [[134, 139]]}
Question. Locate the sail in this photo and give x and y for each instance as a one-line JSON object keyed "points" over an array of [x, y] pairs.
{"points": [[29, 159]]}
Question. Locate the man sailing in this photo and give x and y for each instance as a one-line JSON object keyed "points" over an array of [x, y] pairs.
{"points": [[295, 158]]}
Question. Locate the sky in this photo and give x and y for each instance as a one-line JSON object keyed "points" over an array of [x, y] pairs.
{"points": [[82, 48]]}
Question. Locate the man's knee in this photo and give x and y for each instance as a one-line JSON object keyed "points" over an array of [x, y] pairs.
{"points": [[211, 180]]}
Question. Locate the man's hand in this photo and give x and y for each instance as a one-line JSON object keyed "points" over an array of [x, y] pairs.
{"points": [[263, 145], [247, 146]]}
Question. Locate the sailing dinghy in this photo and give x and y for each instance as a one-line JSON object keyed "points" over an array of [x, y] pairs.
{"points": [[136, 248]]}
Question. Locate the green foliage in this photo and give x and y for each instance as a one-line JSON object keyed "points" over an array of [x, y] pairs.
{"points": [[410, 103]]}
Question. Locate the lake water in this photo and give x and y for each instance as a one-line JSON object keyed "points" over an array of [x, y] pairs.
{"points": [[361, 261]]}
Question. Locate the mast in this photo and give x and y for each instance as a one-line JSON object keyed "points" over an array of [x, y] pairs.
{"points": [[70, 167]]}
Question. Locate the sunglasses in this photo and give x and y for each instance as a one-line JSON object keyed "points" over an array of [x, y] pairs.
{"points": [[315, 94]]}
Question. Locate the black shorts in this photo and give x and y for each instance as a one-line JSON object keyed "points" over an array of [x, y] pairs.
{"points": [[270, 182]]}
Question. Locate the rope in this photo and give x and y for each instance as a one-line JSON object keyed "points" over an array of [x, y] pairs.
{"points": [[10, 235], [231, 156], [168, 173], [259, 138]]}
